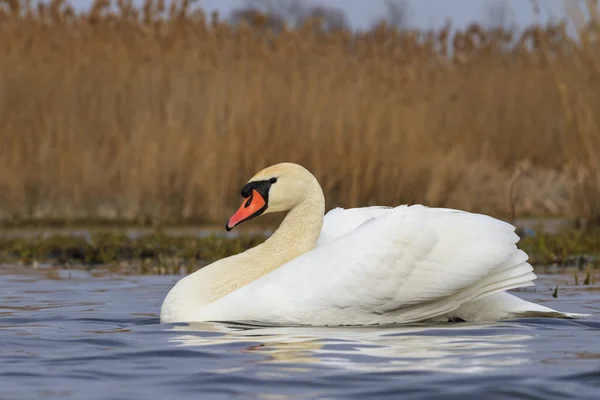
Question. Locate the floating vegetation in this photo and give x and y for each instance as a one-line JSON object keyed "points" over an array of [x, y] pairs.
{"points": [[574, 247], [152, 253], [577, 248], [161, 252]]}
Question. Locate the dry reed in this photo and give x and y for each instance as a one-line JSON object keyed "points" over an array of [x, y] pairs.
{"points": [[161, 114]]}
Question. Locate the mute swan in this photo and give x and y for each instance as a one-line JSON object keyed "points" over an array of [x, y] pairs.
{"points": [[361, 266]]}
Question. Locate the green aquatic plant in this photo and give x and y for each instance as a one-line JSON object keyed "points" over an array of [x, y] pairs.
{"points": [[570, 247], [162, 252], [155, 252]]}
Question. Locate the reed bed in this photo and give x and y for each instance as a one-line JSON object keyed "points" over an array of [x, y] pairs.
{"points": [[159, 115]]}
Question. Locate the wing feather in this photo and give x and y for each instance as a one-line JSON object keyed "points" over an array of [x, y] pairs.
{"points": [[339, 221]]}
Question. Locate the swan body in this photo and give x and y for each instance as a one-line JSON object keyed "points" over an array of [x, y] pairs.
{"points": [[360, 266]]}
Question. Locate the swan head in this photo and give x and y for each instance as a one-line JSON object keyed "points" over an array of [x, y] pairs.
{"points": [[276, 188]]}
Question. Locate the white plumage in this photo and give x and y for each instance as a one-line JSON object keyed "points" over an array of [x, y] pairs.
{"points": [[380, 265], [361, 266]]}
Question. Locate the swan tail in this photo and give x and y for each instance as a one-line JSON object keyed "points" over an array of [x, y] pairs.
{"points": [[501, 306], [492, 303]]}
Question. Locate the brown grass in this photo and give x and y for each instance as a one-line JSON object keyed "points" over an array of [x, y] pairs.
{"points": [[129, 117]]}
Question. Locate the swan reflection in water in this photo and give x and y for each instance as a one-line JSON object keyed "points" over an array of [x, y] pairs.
{"points": [[455, 348]]}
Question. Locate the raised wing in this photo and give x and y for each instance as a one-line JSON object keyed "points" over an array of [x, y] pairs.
{"points": [[340, 221], [407, 264]]}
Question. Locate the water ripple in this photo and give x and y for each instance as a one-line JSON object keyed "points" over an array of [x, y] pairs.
{"points": [[100, 338]]}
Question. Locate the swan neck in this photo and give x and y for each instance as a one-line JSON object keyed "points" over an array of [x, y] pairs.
{"points": [[297, 234], [299, 230]]}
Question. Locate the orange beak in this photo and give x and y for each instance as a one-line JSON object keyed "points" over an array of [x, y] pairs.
{"points": [[251, 207]]}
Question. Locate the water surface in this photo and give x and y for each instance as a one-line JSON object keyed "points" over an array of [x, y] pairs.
{"points": [[74, 334]]}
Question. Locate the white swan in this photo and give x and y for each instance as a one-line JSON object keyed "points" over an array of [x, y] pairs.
{"points": [[362, 266]]}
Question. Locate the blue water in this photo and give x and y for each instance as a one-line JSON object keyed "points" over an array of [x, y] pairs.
{"points": [[77, 335]]}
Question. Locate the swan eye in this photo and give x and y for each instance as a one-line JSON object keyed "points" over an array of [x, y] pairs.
{"points": [[272, 180]]}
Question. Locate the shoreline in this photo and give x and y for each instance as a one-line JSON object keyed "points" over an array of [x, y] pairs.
{"points": [[173, 250]]}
